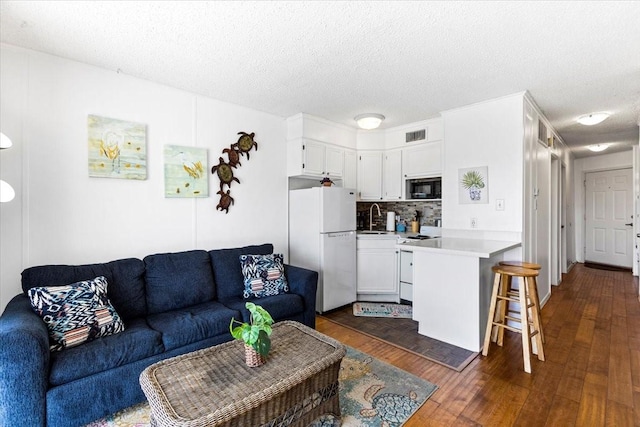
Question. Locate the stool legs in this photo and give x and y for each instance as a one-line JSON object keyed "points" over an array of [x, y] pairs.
{"points": [[500, 313], [524, 324], [492, 314], [535, 314]]}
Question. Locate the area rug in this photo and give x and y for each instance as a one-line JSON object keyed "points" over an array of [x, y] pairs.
{"points": [[372, 393], [382, 309], [403, 333]]}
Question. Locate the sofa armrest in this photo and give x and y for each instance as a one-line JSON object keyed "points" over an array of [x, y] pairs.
{"points": [[304, 283], [24, 365]]}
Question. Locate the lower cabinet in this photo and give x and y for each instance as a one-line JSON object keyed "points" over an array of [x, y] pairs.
{"points": [[406, 275], [377, 268]]}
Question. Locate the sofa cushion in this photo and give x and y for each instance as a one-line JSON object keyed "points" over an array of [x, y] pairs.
{"points": [[227, 271], [178, 280], [125, 277], [76, 313], [136, 342], [263, 275], [188, 325], [280, 307]]}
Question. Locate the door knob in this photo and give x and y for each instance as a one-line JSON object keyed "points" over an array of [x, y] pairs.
{"points": [[629, 224]]}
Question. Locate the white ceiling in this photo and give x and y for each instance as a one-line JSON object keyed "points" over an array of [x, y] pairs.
{"points": [[406, 60]]}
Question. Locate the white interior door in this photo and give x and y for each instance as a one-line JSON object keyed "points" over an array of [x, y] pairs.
{"points": [[609, 217]]}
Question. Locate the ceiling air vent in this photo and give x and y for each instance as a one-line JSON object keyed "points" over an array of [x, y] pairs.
{"points": [[542, 132], [418, 135]]}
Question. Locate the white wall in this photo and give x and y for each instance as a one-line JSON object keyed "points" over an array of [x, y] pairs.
{"points": [[581, 166], [60, 215], [485, 134]]}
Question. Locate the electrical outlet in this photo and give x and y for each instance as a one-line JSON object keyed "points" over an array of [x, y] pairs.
{"points": [[499, 204], [474, 222]]}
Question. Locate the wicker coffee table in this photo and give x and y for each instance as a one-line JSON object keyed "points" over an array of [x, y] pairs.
{"points": [[214, 386]]}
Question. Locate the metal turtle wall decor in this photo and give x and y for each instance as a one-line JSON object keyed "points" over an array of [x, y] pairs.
{"points": [[224, 170], [245, 143]]}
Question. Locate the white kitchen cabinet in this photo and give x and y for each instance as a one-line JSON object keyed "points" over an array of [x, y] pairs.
{"points": [[406, 275], [392, 183], [422, 160], [377, 269], [370, 175], [349, 174], [333, 161], [307, 157]]}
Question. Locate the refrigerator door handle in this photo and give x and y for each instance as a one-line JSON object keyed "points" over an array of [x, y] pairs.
{"points": [[341, 234]]}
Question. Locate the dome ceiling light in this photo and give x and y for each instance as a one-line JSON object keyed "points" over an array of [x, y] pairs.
{"points": [[593, 118], [7, 192], [598, 147], [369, 120], [5, 142]]}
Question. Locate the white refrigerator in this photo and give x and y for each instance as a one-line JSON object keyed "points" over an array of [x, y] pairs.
{"points": [[322, 237]]}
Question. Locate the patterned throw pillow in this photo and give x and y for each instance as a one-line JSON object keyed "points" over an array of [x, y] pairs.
{"points": [[263, 275], [76, 313]]}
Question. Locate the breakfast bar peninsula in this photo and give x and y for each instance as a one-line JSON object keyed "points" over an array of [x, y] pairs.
{"points": [[452, 282]]}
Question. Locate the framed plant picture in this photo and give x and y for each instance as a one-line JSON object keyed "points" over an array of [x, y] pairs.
{"points": [[473, 185], [185, 172], [117, 148]]}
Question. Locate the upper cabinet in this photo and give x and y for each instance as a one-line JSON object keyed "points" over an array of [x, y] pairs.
{"points": [[310, 158], [370, 175], [349, 175], [316, 148], [422, 160], [392, 168], [333, 161]]}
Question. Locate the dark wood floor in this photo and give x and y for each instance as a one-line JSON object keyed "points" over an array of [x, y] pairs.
{"points": [[591, 376]]}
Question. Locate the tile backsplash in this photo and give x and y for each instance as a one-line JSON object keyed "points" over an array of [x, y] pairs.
{"points": [[428, 212]]}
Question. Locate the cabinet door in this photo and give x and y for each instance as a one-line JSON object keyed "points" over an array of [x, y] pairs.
{"points": [[349, 173], [377, 272], [334, 161], [313, 158], [406, 266], [422, 160], [393, 175], [370, 175]]}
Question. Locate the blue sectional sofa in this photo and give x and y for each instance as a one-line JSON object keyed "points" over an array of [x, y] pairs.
{"points": [[171, 304]]}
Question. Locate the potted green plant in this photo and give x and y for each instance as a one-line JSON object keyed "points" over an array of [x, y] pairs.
{"points": [[255, 335], [474, 182]]}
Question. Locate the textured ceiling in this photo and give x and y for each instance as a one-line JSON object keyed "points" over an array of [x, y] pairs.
{"points": [[406, 60]]}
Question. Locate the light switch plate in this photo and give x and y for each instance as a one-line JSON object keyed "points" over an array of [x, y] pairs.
{"points": [[499, 204]]}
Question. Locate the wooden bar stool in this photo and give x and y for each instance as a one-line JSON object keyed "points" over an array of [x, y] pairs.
{"points": [[529, 320], [530, 266]]}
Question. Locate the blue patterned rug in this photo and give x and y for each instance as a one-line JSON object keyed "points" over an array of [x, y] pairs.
{"points": [[372, 393]]}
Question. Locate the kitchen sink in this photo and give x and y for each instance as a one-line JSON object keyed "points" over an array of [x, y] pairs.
{"points": [[374, 232]]}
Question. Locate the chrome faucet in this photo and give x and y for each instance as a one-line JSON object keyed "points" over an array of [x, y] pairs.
{"points": [[371, 215]]}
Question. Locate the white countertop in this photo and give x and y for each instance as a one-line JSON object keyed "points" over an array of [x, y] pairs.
{"points": [[457, 246]]}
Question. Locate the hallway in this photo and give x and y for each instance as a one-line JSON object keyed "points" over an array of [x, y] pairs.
{"points": [[591, 376]]}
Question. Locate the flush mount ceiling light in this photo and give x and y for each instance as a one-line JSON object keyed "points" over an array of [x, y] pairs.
{"points": [[593, 118], [369, 120], [5, 142], [6, 191], [598, 147]]}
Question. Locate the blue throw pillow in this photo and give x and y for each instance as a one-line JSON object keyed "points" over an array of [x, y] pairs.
{"points": [[76, 313], [263, 275]]}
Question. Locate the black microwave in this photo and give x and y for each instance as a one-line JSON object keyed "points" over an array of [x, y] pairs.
{"points": [[424, 188]]}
